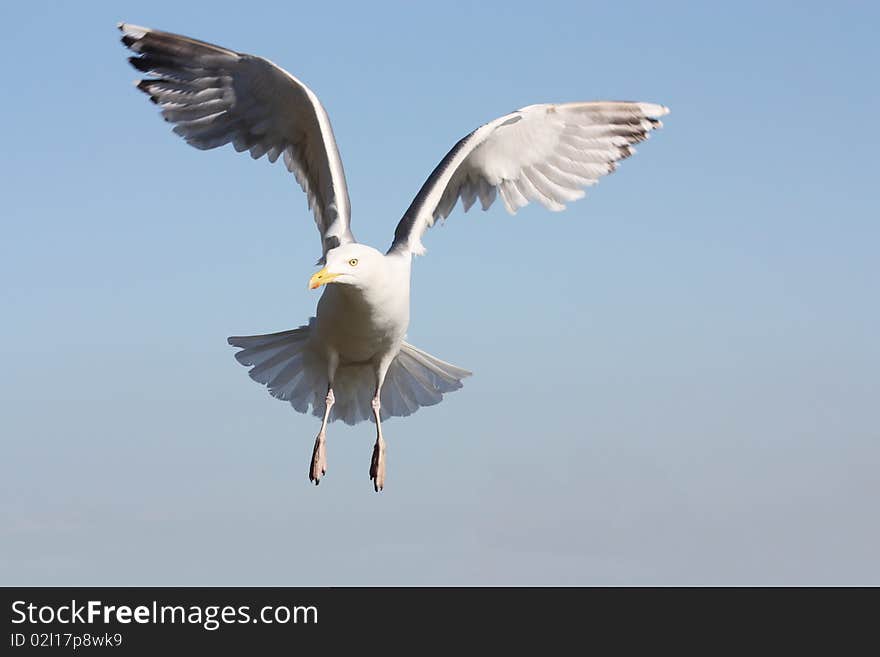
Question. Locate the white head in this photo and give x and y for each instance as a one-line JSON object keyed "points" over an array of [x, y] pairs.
{"points": [[350, 264]]}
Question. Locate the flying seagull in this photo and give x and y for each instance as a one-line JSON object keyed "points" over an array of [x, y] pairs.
{"points": [[350, 362]]}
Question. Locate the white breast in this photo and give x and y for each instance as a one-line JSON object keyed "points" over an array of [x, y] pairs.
{"points": [[362, 324]]}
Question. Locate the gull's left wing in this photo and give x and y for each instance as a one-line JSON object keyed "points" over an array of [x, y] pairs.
{"points": [[546, 153]]}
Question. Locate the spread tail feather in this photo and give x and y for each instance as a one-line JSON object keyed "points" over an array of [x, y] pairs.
{"points": [[293, 370]]}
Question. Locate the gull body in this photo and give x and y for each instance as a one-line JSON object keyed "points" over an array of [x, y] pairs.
{"points": [[360, 322], [364, 315], [351, 361]]}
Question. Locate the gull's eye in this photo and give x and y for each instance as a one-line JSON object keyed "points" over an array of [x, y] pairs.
{"points": [[353, 262]]}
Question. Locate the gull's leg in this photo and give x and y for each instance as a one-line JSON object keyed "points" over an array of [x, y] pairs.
{"points": [[319, 454], [377, 463]]}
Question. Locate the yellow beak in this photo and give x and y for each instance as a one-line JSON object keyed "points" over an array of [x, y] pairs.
{"points": [[321, 278]]}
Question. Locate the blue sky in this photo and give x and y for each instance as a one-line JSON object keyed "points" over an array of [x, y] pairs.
{"points": [[676, 380]]}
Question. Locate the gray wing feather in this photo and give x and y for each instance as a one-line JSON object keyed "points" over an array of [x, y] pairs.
{"points": [[546, 153], [215, 96]]}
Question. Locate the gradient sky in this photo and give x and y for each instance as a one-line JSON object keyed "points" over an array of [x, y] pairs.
{"points": [[676, 380]]}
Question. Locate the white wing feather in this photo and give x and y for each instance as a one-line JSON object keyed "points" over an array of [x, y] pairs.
{"points": [[215, 96], [546, 153]]}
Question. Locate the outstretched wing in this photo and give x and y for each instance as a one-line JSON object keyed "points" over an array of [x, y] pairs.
{"points": [[545, 153], [215, 96]]}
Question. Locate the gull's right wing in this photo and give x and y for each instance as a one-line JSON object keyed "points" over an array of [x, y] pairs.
{"points": [[215, 96]]}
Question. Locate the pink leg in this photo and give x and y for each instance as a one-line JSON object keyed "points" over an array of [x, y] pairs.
{"points": [[319, 454], [377, 463]]}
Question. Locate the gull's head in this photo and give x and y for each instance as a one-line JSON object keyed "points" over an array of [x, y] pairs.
{"points": [[350, 264]]}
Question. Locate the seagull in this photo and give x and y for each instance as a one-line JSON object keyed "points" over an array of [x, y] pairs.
{"points": [[351, 362]]}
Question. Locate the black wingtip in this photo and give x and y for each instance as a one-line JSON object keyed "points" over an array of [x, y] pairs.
{"points": [[140, 63], [144, 85]]}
